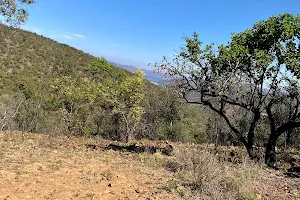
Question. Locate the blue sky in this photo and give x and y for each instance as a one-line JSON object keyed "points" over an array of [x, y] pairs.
{"points": [[138, 32]]}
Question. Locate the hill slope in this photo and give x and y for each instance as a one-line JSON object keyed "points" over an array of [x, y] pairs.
{"points": [[28, 53], [24, 54], [42, 79], [51, 87]]}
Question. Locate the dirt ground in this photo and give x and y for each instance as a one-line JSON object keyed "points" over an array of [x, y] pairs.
{"points": [[42, 167], [36, 166], [274, 185]]}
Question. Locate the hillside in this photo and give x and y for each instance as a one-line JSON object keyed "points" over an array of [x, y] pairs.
{"points": [[42, 80], [51, 87], [25, 54], [28, 53]]}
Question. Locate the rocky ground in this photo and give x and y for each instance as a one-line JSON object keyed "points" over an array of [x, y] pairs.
{"points": [[36, 166]]}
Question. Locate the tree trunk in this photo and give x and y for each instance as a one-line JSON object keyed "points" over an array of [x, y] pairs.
{"points": [[270, 155], [250, 137], [289, 137], [126, 138], [250, 143], [127, 131], [117, 134], [250, 152]]}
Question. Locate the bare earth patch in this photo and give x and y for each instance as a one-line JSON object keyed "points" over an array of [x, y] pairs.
{"points": [[45, 167], [36, 166], [275, 185]]}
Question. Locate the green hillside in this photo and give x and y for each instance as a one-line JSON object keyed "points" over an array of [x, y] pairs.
{"points": [[54, 88], [25, 54]]}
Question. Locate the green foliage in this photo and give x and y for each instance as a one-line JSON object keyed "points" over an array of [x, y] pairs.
{"points": [[63, 90], [128, 100], [274, 40], [189, 126], [98, 66], [100, 69], [245, 81], [77, 90]]}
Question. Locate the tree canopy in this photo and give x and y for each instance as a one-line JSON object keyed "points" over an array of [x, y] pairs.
{"points": [[13, 11], [255, 73]]}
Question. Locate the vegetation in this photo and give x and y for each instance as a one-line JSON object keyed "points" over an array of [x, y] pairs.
{"points": [[13, 13], [252, 80], [48, 87], [243, 93], [198, 174]]}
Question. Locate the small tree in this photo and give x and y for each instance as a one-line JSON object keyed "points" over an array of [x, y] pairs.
{"points": [[12, 11], [255, 73], [80, 100], [128, 98]]}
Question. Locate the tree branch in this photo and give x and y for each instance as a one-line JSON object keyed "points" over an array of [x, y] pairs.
{"points": [[207, 103], [287, 126]]}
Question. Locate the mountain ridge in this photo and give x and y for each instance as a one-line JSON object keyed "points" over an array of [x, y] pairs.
{"points": [[150, 75]]}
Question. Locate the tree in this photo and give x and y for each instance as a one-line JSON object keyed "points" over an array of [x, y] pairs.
{"points": [[13, 12], [128, 98], [82, 101], [255, 73]]}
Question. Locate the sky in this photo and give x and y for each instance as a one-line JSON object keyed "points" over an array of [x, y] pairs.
{"points": [[138, 32]]}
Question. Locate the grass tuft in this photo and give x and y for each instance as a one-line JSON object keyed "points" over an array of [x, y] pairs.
{"points": [[198, 174]]}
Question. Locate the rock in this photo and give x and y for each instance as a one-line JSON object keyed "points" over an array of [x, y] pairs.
{"points": [[258, 196], [143, 148], [91, 146]]}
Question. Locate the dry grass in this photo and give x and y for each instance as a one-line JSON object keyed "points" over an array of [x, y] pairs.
{"points": [[35, 166], [199, 175]]}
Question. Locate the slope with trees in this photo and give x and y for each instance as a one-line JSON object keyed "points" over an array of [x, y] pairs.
{"points": [[50, 87]]}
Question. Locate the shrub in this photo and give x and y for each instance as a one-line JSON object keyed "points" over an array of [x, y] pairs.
{"points": [[198, 174]]}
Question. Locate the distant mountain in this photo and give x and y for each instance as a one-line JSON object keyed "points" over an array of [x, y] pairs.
{"points": [[149, 74], [128, 67]]}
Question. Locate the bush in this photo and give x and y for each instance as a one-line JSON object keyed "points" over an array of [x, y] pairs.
{"points": [[9, 108], [199, 174]]}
